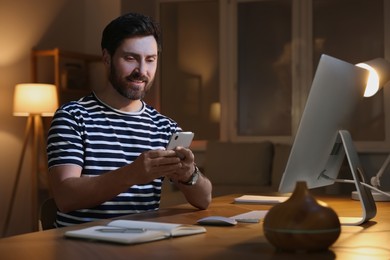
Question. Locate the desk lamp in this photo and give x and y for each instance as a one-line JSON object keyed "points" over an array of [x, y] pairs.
{"points": [[379, 76], [33, 100]]}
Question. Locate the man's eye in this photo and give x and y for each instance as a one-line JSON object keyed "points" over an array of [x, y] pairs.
{"points": [[151, 60], [129, 58]]}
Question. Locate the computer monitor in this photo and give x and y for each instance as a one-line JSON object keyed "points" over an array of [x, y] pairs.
{"points": [[321, 141]]}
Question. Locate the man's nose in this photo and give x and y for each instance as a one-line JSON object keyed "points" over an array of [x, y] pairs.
{"points": [[142, 68]]}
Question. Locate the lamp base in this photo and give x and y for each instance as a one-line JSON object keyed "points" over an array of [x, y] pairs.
{"points": [[376, 195]]}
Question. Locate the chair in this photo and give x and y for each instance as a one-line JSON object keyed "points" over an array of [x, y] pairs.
{"points": [[48, 214]]}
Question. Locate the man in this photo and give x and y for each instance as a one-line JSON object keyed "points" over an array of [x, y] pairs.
{"points": [[106, 152]]}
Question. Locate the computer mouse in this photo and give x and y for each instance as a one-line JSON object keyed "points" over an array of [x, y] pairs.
{"points": [[217, 221]]}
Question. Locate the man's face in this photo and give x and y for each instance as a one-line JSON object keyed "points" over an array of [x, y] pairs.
{"points": [[133, 67]]}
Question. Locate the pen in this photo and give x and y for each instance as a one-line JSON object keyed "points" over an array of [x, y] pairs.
{"points": [[121, 230]]}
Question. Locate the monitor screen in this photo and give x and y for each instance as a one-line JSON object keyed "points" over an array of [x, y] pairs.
{"points": [[336, 89]]}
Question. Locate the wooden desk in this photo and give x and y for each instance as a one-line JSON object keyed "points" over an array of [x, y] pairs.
{"points": [[370, 241]]}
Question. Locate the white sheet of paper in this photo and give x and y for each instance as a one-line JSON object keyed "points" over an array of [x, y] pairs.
{"points": [[257, 199], [254, 216]]}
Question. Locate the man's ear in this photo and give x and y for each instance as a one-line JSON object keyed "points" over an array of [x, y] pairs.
{"points": [[106, 57]]}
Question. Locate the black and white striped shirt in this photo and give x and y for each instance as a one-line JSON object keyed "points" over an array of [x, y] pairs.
{"points": [[99, 138]]}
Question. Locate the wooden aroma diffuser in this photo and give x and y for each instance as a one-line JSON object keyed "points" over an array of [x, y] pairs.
{"points": [[301, 223]]}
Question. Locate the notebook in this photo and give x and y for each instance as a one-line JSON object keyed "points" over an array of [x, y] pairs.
{"points": [[134, 232]]}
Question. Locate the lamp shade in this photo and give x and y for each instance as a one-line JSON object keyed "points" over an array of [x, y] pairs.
{"points": [[35, 98], [379, 75]]}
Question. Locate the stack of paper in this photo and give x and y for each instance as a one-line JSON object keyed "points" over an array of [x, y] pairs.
{"points": [[260, 199]]}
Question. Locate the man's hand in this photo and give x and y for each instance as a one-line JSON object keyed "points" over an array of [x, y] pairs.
{"points": [[187, 166], [154, 164], [199, 194]]}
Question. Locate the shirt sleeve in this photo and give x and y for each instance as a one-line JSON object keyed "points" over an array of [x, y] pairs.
{"points": [[65, 140]]}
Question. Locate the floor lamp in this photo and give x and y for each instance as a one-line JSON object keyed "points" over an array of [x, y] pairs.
{"points": [[32, 100]]}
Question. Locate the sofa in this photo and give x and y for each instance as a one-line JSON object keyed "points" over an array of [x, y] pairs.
{"points": [[238, 168], [245, 167]]}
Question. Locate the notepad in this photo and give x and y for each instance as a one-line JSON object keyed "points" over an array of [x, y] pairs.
{"points": [[134, 232], [257, 199]]}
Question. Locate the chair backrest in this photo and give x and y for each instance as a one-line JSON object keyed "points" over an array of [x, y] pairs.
{"points": [[48, 214]]}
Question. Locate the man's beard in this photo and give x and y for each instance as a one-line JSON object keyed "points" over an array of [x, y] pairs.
{"points": [[121, 85]]}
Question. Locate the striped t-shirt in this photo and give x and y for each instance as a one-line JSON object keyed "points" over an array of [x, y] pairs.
{"points": [[99, 138]]}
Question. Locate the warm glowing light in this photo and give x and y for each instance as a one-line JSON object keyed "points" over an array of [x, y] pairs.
{"points": [[379, 69], [215, 112], [35, 98], [372, 82]]}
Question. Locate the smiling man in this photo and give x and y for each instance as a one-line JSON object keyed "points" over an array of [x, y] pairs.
{"points": [[106, 151]]}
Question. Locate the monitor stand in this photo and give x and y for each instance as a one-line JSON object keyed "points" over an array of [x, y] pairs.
{"points": [[375, 181], [364, 194]]}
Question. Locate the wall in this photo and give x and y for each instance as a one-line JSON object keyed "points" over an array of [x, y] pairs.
{"points": [[147, 7], [24, 24]]}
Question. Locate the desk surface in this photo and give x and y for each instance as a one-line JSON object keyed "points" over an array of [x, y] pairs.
{"points": [[369, 241]]}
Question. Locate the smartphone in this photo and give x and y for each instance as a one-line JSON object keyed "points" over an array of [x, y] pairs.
{"points": [[183, 139]]}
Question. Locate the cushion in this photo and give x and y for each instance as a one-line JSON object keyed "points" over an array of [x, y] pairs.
{"points": [[228, 163]]}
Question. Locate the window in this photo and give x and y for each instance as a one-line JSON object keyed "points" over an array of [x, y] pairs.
{"points": [[264, 52], [241, 70]]}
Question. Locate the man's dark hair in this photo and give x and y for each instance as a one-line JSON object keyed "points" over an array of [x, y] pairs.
{"points": [[127, 26]]}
